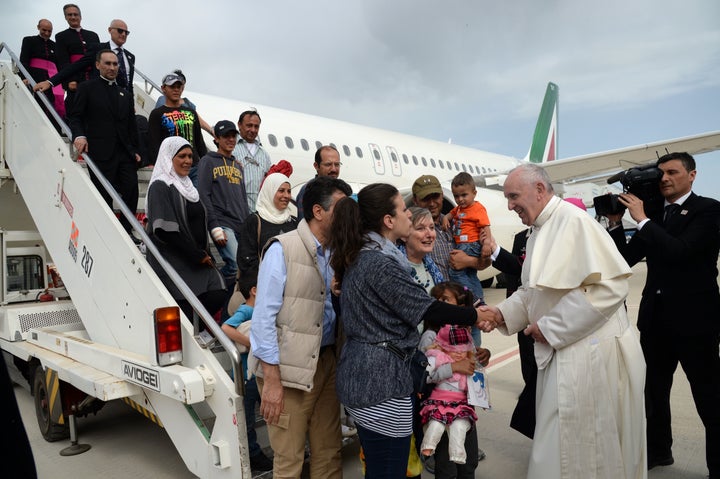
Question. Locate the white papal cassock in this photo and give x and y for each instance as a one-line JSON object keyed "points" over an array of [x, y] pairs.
{"points": [[589, 404]]}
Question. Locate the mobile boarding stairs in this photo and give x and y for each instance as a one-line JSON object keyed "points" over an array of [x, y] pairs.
{"points": [[113, 339]]}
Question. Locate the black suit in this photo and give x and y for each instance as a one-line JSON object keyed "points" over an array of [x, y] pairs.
{"points": [[71, 43], [523, 417], [37, 47], [88, 60], [105, 116], [678, 317]]}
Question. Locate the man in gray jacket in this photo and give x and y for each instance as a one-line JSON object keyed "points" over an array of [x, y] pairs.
{"points": [[222, 192]]}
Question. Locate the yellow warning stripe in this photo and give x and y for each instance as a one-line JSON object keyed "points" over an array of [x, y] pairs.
{"points": [[53, 390], [143, 411]]}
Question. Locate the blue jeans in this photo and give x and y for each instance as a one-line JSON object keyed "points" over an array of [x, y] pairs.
{"points": [[468, 278], [228, 253], [194, 175], [386, 457], [252, 397]]}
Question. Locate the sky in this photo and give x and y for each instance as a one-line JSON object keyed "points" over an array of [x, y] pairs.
{"points": [[470, 72]]}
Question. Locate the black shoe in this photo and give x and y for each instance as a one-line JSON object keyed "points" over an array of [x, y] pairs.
{"points": [[481, 454], [429, 463], [260, 462], [660, 461]]}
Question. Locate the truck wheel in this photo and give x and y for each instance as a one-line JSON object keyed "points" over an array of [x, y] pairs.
{"points": [[50, 427]]}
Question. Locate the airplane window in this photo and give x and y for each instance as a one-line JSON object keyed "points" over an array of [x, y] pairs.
{"points": [[432, 162], [289, 142], [415, 160], [318, 145], [464, 168], [457, 167], [441, 164], [304, 144], [393, 156], [333, 145], [449, 165], [424, 161], [272, 140], [483, 169], [358, 152], [376, 154], [346, 150], [405, 159]]}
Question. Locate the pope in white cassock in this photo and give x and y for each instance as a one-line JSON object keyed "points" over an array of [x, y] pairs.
{"points": [[591, 371]]}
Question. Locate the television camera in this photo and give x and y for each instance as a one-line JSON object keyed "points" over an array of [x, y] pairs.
{"points": [[642, 181]]}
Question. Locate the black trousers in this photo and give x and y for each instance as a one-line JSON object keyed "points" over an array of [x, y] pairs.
{"points": [[446, 469], [120, 170], [698, 356], [523, 417]]}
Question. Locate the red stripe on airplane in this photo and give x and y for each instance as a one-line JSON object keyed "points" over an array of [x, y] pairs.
{"points": [[551, 152]]}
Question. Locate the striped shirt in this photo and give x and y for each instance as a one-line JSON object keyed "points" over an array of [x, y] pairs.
{"points": [[255, 166], [440, 253], [391, 418]]}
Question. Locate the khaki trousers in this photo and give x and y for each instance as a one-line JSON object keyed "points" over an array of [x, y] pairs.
{"points": [[313, 416]]}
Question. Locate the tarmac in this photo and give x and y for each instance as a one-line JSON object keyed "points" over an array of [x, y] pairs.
{"points": [[126, 445]]}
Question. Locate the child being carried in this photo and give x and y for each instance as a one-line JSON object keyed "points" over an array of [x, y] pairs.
{"points": [[447, 408]]}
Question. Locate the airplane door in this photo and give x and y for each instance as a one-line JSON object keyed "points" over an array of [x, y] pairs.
{"points": [[395, 165], [378, 161]]}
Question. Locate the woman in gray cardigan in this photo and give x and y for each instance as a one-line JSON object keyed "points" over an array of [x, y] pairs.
{"points": [[381, 304]]}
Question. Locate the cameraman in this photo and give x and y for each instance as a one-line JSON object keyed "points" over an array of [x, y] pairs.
{"points": [[678, 317]]}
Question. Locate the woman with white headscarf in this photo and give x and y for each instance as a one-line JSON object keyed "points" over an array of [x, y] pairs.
{"points": [[274, 216], [177, 227]]}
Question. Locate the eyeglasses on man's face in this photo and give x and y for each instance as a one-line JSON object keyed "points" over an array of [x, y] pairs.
{"points": [[122, 31]]}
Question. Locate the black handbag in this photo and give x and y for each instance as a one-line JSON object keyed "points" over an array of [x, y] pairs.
{"points": [[416, 361]]}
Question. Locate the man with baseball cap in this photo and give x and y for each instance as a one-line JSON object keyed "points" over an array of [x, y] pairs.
{"points": [[222, 192], [174, 118], [427, 193]]}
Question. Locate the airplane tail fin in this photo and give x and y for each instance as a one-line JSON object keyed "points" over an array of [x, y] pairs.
{"points": [[544, 144]]}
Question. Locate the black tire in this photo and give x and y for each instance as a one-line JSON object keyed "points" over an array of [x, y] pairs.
{"points": [[51, 430]]}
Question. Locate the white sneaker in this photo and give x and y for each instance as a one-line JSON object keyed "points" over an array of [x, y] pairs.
{"points": [[348, 431]]}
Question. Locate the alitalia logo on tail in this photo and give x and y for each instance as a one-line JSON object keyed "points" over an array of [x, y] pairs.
{"points": [[544, 145]]}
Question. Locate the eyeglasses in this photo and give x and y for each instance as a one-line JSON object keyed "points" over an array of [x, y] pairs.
{"points": [[328, 165], [122, 31]]}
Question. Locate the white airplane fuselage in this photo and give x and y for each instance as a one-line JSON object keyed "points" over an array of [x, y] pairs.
{"points": [[369, 155]]}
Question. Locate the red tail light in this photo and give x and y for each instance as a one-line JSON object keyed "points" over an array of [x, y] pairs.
{"points": [[168, 335]]}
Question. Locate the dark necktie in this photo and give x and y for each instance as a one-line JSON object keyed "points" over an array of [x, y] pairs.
{"points": [[122, 72], [670, 210]]}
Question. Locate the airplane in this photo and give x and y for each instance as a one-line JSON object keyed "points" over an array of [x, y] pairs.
{"points": [[371, 155]]}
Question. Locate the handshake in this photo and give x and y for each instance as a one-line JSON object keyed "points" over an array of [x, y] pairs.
{"points": [[489, 318]]}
